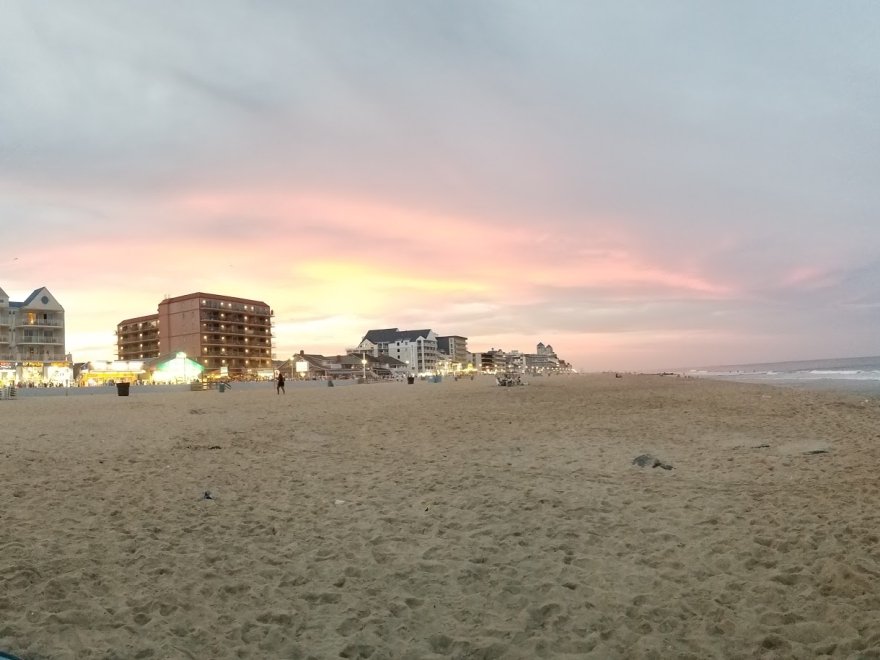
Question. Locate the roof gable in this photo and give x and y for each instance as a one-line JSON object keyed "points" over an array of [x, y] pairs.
{"points": [[390, 335], [41, 298], [383, 336]]}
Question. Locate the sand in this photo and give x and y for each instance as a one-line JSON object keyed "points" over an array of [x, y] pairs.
{"points": [[449, 520]]}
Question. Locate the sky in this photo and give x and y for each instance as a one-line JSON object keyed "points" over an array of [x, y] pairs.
{"points": [[641, 184]]}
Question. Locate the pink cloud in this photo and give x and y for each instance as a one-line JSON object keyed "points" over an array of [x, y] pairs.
{"points": [[808, 277], [421, 240]]}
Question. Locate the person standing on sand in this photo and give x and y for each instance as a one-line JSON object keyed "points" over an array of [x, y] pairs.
{"points": [[279, 386]]}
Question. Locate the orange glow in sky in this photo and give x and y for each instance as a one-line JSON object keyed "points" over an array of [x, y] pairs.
{"points": [[508, 174]]}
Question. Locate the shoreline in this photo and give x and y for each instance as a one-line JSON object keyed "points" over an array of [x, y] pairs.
{"points": [[841, 385]]}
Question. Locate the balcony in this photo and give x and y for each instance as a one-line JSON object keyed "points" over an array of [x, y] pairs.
{"points": [[137, 341], [253, 343], [137, 350], [42, 340], [241, 331], [253, 355], [234, 317], [40, 323]]}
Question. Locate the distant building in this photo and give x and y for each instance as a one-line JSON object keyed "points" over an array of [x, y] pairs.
{"points": [[228, 336], [138, 338], [32, 340], [310, 366], [415, 348], [543, 360], [454, 348], [490, 361], [513, 361]]}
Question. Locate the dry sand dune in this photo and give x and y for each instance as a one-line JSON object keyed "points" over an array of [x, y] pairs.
{"points": [[450, 520]]}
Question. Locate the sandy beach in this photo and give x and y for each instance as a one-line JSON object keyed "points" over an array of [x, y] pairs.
{"points": [[442, 520]]}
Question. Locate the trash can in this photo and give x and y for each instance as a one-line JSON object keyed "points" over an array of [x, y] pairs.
{"points": [[221, 388], [410, 380], [122, 389], [329, 383]]}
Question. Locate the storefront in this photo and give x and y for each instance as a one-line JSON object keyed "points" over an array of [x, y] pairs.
{"points": [[31, 373], [59, 374], [107, 373], [7, 373], [175, 368]]}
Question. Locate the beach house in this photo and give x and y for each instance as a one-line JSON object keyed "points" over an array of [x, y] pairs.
{"points": [[32, 340]]}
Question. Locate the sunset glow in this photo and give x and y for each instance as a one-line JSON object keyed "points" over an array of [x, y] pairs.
{"points": [[572, 177]]}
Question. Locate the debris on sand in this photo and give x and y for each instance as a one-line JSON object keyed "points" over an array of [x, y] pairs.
{"points": [[646, 460]]}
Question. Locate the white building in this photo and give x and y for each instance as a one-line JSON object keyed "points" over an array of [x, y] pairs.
{"points": [[415, 348], [32, 340], [543, 360]]}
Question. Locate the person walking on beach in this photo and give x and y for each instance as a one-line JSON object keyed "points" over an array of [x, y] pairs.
{"points": [[279, 386]]}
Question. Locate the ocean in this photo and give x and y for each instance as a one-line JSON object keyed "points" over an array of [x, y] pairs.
{"points": [[860, 374]]}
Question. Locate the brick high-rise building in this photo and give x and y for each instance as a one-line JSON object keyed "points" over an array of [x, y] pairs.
{"points": [[223, 333]]}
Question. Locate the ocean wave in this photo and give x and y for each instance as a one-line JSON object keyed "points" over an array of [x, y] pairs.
{"points": [[846, 372]]}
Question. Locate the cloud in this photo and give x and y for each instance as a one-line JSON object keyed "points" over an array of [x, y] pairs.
{"points": [[583, 169]]}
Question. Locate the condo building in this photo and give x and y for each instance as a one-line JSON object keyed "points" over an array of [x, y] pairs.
{"points": [[543, 360], [138, 338], [228, 336], [454, 347], [32, 340], [417, 349]]}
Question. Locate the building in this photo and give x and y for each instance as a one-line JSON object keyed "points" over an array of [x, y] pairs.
{"points": [[417, 349], [489, 361], [455, 349], [513, 361], [173, 368], [543, 360], [138, 338], [101, 372], [32, 340], [228, 336], [310, 366]]}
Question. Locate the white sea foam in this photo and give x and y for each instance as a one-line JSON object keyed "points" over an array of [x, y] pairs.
{"points": [[858, 372]]}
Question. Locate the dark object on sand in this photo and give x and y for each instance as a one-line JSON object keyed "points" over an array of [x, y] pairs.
{"points": [[760, 447], [207, 495], [646, 460], [816, 451]]}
